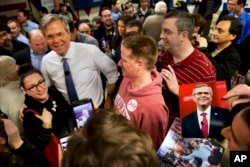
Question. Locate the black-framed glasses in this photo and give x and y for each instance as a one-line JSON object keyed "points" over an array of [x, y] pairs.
{"points": [[39, 84]]}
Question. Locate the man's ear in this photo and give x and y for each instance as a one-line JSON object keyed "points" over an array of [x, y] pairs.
{"points": [[141, 63], [232, 36]]}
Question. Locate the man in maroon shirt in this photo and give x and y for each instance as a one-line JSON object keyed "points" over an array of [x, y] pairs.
{"points": [[182, 63]]}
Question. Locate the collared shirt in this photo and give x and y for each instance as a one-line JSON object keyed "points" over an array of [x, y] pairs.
{"points": [[245, 20], [86, 62], [200, 117], [36, 59], [20, 37], [30, 26], [116, 15]]}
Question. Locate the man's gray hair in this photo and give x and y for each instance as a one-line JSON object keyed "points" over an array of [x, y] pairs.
{"points": [[49, 18], [161, 7], [202, 85]]}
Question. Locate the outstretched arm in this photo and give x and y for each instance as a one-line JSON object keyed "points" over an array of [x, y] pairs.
{"points": [[30, 156]]}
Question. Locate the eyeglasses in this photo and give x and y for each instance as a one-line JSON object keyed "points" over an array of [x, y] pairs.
{"points": [[59, 35], [4, 34], [39, 84], [202, 93]]}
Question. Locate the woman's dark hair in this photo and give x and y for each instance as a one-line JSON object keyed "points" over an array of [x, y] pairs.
{"points": [[26, 70]]}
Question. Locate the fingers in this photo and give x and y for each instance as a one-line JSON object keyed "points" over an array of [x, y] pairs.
{"points": [[46, 116], [239, 90], [21, 112], [11, 130], [168, 74], [238, 101]]}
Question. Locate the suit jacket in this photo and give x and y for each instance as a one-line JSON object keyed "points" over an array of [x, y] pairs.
{"points": [[23, 56], [218, 120]]}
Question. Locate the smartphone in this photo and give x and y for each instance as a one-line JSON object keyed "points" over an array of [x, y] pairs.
{"points": [[82, 109], [104, 43], [64, 142]]}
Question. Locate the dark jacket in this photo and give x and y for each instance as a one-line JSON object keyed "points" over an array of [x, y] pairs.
{"points": [[29, 157], [23, 56], [102, 34], [218, 120], [226, 62], [243, 50], [17, 45]]}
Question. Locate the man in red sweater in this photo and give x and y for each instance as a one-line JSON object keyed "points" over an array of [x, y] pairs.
{"points": [[139, 98], [182, 63]]}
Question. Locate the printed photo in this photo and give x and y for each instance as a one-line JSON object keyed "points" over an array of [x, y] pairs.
{"points": [[203, 113]]}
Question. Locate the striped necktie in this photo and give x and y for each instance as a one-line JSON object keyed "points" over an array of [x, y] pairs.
{"points": [[204, 126]]}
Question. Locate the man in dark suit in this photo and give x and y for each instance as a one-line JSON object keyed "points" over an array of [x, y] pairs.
{"points": [[35, 53], [206, 121]]}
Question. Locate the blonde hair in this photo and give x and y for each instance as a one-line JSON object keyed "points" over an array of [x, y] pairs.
{"points": [[6, 71], [109, 139]]}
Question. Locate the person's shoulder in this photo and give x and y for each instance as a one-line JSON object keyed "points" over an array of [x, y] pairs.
{"points": [[22, 52], [190, 115], [31, 23], [216, 109], [50, 56]]}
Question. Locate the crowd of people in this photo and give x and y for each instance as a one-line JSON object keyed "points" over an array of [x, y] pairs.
{"points": [[131, 66]]}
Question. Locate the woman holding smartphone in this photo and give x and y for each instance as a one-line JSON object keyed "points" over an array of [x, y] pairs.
{"points": [[53, 113]]}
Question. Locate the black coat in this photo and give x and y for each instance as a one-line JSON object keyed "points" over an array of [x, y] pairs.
{"points": [[63, 120], [226, 62], [29, 157], [218, 120], [23, 56], [17, 45]]}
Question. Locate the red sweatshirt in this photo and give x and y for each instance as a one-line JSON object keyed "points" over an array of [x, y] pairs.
{"points": [[145, 107]]}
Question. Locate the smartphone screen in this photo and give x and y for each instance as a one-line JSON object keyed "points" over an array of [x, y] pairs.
{"points": [[104, 43], [83, 109]]}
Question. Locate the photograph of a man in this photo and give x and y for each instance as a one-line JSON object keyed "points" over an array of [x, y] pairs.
{"points": [[206, 121]]}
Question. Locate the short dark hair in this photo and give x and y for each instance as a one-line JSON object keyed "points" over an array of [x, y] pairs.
{"points": [[43, 10], [235, 26], [4, 27], [71, 26], [104, 8], [26, 70], [241, 2], [25, 12], [135, 23], [184, 21]]}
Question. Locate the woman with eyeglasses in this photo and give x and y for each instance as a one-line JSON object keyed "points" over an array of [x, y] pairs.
{"points": [[54, 114]]}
